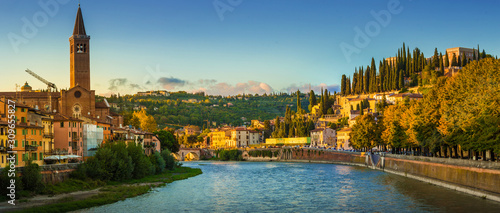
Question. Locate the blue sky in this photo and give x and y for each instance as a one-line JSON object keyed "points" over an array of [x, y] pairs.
{"points": [[244, 46]]}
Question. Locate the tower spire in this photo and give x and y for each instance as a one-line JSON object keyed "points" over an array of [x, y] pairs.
{"points": [[79, 26]]}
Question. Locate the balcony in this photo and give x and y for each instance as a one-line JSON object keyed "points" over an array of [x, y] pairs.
{"points": [[30, 147], [48, 135], [5, 149], [74, 139]]}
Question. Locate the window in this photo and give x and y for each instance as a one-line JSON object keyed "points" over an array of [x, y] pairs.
{"points": [[69, 134], [33, 156], [15, 158], [41, 156], [23, 144], [15, 143], [23, 120], [62, 124], [69, 144]]}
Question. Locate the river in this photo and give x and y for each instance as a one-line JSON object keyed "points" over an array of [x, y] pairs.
{"points": [[297, 187]]}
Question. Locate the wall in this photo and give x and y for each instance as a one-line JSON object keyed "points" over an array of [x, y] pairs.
{"points": [[477, 181], [54, 173]]}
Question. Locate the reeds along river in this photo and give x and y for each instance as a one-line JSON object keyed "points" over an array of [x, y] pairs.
{"points": [[298, 187]]}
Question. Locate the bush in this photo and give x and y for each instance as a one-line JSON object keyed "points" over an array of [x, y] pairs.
{"points": [[32, 177], [233, 154], [170, 162], [5, 182], [142, 165], [158, 162]]}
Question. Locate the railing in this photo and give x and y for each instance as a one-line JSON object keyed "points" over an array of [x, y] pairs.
{"points": [[30, 147], [74, 139]]}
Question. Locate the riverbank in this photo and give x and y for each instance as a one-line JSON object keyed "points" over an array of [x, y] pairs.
{"points": [[110, 193]]}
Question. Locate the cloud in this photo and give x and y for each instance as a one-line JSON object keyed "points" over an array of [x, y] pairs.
{"points": [[171, 83], [317, 88], [115, 84], [223, 88]]}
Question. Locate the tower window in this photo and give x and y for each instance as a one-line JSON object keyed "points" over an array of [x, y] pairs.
{"points": [[79, 48]]}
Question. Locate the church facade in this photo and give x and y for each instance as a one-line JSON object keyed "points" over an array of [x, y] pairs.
{"points": [[79, 100]]}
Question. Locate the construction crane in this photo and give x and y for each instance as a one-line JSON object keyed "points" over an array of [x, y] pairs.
{"points": [[49, 84]]}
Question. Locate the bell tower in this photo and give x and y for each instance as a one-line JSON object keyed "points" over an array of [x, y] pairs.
{"points": [[79, 54]]}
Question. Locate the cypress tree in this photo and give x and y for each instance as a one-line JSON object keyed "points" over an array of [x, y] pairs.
{"points": [[473, 54], [441, 66], [401, 80], [483, 54], [435, 61], [299, 104], [464, 60], [367, 80], [349, 85], [478, 53], [343, 87], [454, 60], [446, 60]]}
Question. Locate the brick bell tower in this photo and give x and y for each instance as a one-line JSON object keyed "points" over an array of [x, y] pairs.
{"points": [[79, 54]]}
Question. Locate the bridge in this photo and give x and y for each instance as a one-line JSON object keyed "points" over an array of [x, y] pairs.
{"points": [[189, 154]]}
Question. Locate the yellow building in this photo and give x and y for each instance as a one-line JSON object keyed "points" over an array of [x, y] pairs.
{"points": [[28, 134], [48, 134], [343, 139], [288, 141], [3, 144], [217, 139]]}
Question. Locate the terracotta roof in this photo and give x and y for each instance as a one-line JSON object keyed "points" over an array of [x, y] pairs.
{"points": [[79, 26], [31, 94], [317, 130], [345, 130], [59, 117], [100, 105]]}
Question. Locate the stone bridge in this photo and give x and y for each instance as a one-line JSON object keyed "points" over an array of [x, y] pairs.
{"points": [[189, 154]]}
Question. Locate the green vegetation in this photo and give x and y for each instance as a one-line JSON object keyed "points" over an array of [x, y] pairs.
{"points": [[391, 75], [233, 154], [176, 110], [263, 153], [111, 193], [457, 115]]}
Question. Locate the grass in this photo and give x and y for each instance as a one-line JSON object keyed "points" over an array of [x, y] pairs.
{"points": [[112, 192], [72, 185]]}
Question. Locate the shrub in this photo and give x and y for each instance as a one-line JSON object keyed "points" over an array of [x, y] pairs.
{"points": [[142, 165], [32, 177], [158, 162], [233, 154], [170, 162]]}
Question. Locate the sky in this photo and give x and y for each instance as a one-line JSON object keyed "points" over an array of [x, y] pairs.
{"points": [[229, 47]]}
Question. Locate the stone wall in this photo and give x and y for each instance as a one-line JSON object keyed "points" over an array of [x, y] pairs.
{"points": [[53, 173], [471, 178]]}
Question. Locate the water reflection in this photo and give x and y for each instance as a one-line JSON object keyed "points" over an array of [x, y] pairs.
{"points": [[297, 187]]}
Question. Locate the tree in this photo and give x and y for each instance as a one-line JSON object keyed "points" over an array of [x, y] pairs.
{"points": [[32, 177], [158, 162], [343, 85], [446, 60], [312, 100], [365, 133], [454, 60], [142, 165], [167, 141], [299, 104]]}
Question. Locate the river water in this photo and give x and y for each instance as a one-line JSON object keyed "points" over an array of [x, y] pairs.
{"points": [[297, 187]]}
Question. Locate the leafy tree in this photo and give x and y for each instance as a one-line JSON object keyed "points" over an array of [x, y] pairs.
{"points": [[142, 165], [170, 161], [365, 133], [158, 162]]}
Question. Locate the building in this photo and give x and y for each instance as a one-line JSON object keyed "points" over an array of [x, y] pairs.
{"points": [[28, 134], [343, 139], [68, 135], [79, 99], [459, 52], [288, 141], [4, 146], [323, 137], [397, 98], [218, 139]]}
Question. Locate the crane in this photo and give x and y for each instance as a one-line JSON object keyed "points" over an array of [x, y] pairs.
{"points": [[49, 84]]}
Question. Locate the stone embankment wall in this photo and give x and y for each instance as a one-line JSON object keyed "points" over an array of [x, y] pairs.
{"points": [[470, 179], [54, 173]]}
